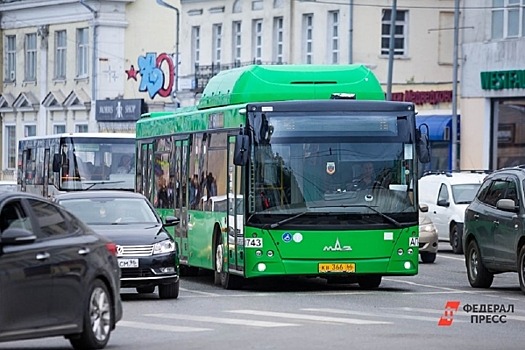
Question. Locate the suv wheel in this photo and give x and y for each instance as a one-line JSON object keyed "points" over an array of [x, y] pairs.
{"points": [[455, 240], [521, 268], [478, 275]]}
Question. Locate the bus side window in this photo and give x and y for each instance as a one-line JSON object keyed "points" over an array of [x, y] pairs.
{"points": [[56, 162]]}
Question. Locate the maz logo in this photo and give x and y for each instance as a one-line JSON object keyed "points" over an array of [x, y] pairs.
{"points": [[337, 247]]}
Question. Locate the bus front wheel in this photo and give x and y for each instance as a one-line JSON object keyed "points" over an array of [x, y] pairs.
{"points": [[369, 281], [221, 276]]}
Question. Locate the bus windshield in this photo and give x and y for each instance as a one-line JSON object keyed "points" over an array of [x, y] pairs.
{"points": [[334, 168], [54, 164], [95, 162]]}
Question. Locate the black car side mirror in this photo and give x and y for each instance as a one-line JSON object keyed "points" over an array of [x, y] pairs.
{"points": [[16, 236]]}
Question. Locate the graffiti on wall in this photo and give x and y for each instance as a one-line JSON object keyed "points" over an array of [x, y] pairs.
{"points": [[157, 74]]}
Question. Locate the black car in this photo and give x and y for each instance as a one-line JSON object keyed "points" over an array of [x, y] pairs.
{"points": [[494, 234], [57, 276], [146, 252]]}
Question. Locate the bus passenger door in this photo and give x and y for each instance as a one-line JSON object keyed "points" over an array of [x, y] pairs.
{"points": [[23, 171], [45, 175], [236, 215], [180, 192]]}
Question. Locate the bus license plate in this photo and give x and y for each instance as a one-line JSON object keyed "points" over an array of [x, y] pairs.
{"points": [[346, 267], [128, 263]]}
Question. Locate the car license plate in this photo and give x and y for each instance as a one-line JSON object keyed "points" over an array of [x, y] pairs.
{"points": [[128, 263], [337, 267]]}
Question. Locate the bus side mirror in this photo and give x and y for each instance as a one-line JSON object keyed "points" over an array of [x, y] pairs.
{"points": [[56, 162], [423, 144], [242, 150]]}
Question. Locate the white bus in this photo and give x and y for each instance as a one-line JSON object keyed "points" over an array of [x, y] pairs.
{"points": [[52, 164]]}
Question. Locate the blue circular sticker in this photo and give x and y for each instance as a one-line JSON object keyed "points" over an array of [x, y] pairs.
{"points": [[287, 237]]}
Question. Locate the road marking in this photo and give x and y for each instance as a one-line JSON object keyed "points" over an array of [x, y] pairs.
{"points": [[160, 327], [307, 317], [207, 294], [367, 314], [452, 257], [224, 320]]}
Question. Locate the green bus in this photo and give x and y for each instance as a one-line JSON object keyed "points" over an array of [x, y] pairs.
{"points": [[267, 176]]}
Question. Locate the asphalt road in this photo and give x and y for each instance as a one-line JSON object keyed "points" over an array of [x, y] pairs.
{"points": [[404, 313]]}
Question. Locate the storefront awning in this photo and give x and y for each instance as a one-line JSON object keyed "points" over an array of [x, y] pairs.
{"points": [[439, 126]]}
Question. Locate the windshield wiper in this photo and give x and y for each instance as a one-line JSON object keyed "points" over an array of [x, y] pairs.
{"points": [[389, 218], [283, 221]]}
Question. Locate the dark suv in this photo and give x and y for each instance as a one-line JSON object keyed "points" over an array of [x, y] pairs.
{"points": [[494, 236]]}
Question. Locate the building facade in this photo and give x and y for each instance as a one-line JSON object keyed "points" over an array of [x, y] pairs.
{"points": [[81, 65], [493, 84]]}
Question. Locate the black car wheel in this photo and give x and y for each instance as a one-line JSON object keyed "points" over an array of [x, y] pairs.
{"points": [[521, 268], [455, 240], [98, 317], [169, 291], [478, 275], [427, 257]]}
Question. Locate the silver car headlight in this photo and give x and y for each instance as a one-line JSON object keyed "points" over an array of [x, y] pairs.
{"points": [[163, 247], [426, 228]]}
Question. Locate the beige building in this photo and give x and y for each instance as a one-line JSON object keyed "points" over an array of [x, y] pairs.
{"points": [[77, 66], [493, 84]]}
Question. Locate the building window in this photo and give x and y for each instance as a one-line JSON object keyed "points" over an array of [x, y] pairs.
{"points": [[81, 128], [217, 43], [82, 52], [29, 130], [196, 44], [308, 28], [236, 40], [400, 32], [237, 6], [508, 19], [333, 36], [10, 58], [257, 40], [278, 37], [60, 54], [10, 145], [59, 129], [30, 57]]}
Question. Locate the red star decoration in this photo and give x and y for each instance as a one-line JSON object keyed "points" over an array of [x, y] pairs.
{"points": [[132, 73]]}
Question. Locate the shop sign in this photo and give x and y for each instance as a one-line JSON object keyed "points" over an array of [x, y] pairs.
{"points": [[503, 80], [119, 110]]}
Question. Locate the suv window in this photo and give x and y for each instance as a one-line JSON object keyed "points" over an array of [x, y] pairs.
{"points": [[512, 192], [495, 192], [50, 219]]}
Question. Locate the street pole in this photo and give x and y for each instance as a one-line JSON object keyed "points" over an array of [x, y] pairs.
{"points": [[455, 88], [163, 3], [92, 123], [391, 51]]}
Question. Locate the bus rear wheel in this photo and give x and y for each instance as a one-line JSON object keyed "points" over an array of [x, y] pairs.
{"points": [[369, 281]]}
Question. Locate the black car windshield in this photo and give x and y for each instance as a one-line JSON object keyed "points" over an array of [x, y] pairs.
{"points": [[106, 211]]}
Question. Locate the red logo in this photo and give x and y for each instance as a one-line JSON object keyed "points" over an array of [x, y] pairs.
{"points": [[448, 315]]}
